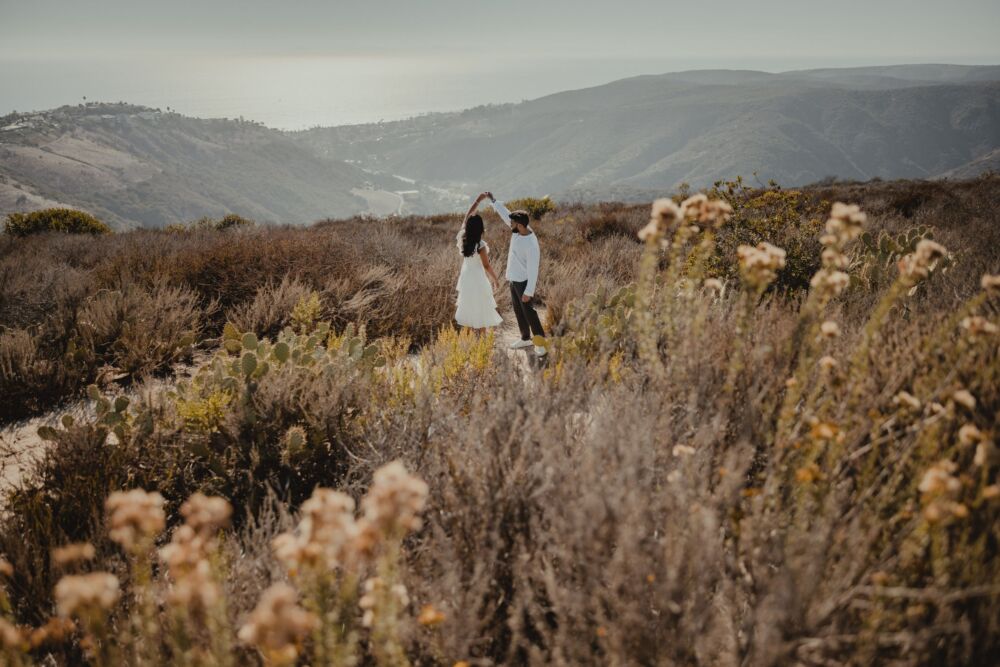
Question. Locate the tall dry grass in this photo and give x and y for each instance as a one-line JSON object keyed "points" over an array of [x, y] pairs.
{"points": [[713, 467]]}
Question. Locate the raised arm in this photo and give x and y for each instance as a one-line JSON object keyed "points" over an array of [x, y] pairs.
{"points": [[475, 205], [500, 209]]}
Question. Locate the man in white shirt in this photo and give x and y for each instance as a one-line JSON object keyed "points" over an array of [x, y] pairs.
{"points": [[522, 273]]}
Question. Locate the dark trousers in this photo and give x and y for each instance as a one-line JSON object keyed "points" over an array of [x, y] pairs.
{"points": [[527, 318]]}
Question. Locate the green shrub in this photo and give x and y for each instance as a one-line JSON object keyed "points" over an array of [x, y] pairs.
{"points": [[535, 207], [233, 220], [207, 222], [789, 219], [66, 220]]}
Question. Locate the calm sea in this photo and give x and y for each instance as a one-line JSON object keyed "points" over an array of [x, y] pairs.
{"points": [[299, 92]]}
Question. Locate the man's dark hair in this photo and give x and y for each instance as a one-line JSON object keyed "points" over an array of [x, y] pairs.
{"points": [[520, 217]]}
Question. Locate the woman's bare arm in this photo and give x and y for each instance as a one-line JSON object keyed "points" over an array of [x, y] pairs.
{"points": [[475, 205], [485, 256]]}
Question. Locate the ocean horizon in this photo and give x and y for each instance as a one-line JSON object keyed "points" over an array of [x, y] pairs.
{"points": [[294, 92]]}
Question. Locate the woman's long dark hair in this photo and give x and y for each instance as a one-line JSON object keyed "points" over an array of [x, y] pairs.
{"points": [[472, 235]]}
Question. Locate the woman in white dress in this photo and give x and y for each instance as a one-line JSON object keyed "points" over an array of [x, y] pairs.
{"points": [[477, 309]]}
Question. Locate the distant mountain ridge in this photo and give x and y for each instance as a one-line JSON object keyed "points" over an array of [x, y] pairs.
{"points": [[910, 121], [134, 166]]}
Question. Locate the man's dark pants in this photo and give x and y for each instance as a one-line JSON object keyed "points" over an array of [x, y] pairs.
{"points": [[527, 318]]}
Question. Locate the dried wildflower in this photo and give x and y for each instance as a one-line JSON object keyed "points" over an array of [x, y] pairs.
{"points": [[375, 594], [11, 636], [828, 240], [713, 284], [969, 434], [136, 517], [674, 476], [206, 514], [985, 453], [977, 326], [823, 431], [683, 450], [965, 398], [430, 616], [880, 578], [829, 329], [665, 214], [72, 553], [846, 221], [395, 500], [830, 283], [791, 383], [699, 208], [86, 594], [906, 399], [326, 534], [187, 556], [759, 265], [278, 625], [827, 363], [918, 265], [992, 491], [56, 630], [808, 474], [990, 282], [939, 479], [834, 259], [6, 569]]}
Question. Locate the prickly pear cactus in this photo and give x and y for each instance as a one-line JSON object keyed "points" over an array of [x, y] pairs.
{"points": [[880, 253]]}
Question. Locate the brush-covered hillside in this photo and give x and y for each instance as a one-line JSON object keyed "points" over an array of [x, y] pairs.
{"points": [[139, 167], [919, 121], [763, 434]]}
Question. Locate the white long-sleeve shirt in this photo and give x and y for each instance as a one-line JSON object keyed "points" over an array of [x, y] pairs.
{"points": [[523, 256]]}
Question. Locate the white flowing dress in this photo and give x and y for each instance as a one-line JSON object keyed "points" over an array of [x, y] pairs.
{"points": [[476, 306]]}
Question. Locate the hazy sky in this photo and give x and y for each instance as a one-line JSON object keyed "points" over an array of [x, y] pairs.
{"points": [[405, 56]]}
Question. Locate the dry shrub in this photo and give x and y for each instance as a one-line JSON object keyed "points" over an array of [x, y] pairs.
{"points": [[271, 308], [690, 478]]}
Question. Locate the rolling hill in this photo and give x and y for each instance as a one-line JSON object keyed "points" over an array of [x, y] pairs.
{"points": [[133, 166], [919, 121]]}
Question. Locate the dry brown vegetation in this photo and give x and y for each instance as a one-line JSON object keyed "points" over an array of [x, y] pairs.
{"points": [[720, 463]]}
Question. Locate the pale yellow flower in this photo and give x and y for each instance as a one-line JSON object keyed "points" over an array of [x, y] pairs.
{"points": [[82, 595], [430, 616], [918, 265], [206, 514], [135, 517], [965, 398], [906, 399], [72, 553], [11, 636], [395, 499], [977, 326], [278, 625], [713, 284], [759, 265], [969, 434], [830, 283], [683, 450], [985, 453], [830, 329], [938, 479]]}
